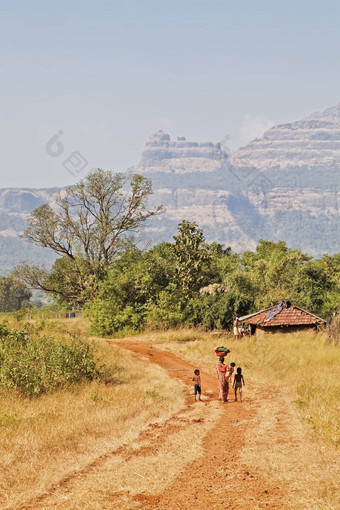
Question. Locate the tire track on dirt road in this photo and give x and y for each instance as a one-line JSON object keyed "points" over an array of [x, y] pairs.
{"points": [[214, 480], [258, 455], [252, 455]]}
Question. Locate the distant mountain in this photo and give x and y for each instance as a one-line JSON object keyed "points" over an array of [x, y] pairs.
{"points": [[15, 205], [313, 143], [164, 156], [299, 165], [194, 181], [281, 186]]}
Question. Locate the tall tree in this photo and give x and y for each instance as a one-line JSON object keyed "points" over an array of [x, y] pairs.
{"points": [[89, 224], [191, 253], [272, 269]]}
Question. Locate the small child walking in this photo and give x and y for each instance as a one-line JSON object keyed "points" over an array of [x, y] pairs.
{"points": [[197, 381], [238, 383], [230, 373]]}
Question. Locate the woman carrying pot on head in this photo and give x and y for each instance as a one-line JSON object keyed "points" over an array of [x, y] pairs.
{"points": [[223, 385]]}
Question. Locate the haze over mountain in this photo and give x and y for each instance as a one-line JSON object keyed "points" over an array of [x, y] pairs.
{"points": [[301, 162], [313, 142], [15, 205], [281, 186]]}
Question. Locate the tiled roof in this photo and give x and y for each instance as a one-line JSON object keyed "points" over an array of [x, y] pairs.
{"points": [[275, 316]]}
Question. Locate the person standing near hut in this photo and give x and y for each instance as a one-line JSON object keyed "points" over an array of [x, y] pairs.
{"points": [[236, 329], [223, 385]]}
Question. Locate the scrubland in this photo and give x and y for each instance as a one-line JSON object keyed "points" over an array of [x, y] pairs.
{"points": [[45, 439]]}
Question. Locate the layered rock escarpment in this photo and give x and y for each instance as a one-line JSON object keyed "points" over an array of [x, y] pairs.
{"points": [[15, 205], [192, 180], [161, 154], [313, 142], [23, 201], [283, 186], [300, 164]]}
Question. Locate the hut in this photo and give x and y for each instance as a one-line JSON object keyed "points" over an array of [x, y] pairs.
{"points": [[283, 317]]}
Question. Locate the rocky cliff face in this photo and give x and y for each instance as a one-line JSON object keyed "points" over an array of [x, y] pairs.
{"points": [[282, 186], [192, 180], [161, 154], [18, 201], [300, 165], [313, 142]]}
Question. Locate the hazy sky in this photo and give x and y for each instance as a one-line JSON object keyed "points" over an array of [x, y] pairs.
{"points": [[107, 74]]}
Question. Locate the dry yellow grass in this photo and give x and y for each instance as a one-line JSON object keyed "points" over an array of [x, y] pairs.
{"points": [[300, 372], [42, 441], [47, 323], [284, 452], [303, 363], [140, 468]]}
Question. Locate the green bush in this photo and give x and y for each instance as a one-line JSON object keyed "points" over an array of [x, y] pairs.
{"points": [[165, 313], [34, 365], [108, 318], [217, 311]]}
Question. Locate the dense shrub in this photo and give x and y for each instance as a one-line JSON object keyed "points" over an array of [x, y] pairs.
{"points": [[34, 365], [218, 310], [108, 318], [11, 337], [165, 313]]}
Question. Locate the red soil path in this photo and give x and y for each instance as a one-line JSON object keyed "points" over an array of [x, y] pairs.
{"points": [[218, 479], [257, 456]]}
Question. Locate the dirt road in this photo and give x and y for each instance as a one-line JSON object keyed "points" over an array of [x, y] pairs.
{"points": [[219, 479], [251, 455], [257, 455]]}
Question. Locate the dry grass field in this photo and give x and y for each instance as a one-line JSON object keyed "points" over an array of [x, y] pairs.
{"points": [[304, 364], [262, 453], [45, 440], [132, 444]]}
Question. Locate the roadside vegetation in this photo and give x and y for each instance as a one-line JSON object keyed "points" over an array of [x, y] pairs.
{"points": [[32, 364], [47, 435], [191, 283]]}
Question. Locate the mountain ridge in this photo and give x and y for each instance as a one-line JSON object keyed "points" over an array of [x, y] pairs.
{"points": [[313, 142], [282, 186]]}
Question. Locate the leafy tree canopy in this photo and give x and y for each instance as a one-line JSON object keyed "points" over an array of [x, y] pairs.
{"points": [[89, 225], [191, 254]]}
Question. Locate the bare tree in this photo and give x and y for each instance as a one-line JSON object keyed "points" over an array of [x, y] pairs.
{"points": [[89, 224]]}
